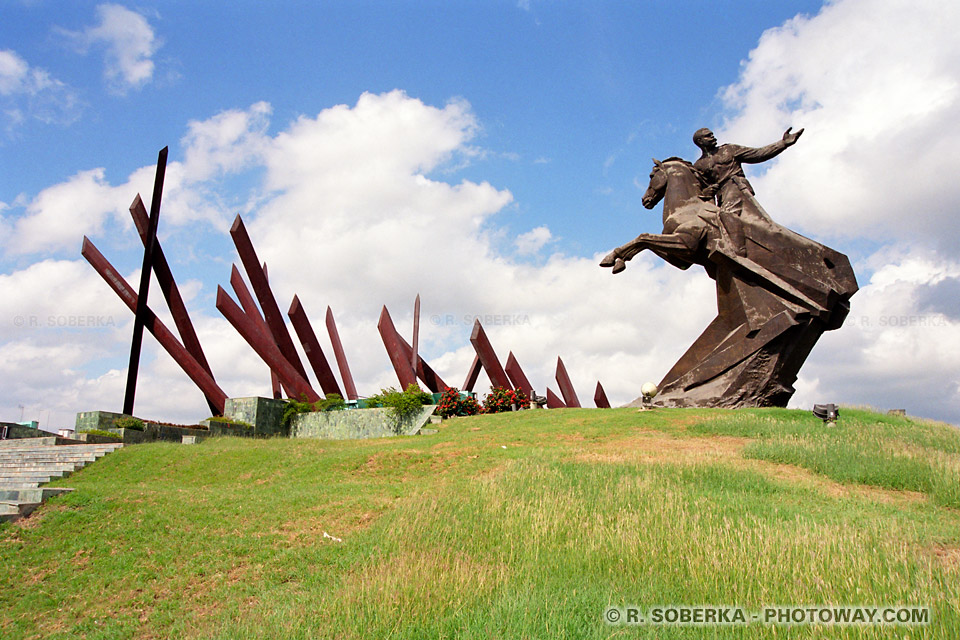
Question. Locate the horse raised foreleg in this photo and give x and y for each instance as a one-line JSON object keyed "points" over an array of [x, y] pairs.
{"points": [[662, 243]]}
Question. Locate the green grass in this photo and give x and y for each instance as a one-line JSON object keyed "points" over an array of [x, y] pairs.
{"points": [[525, 525], [892, 452]]}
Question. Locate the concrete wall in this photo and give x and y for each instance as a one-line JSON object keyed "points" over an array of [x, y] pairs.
{"points": [[221, 428], [354, 424], [87, 420], [266, 417], [106, 420], [92, 438], [265, 414], [15, 430]]}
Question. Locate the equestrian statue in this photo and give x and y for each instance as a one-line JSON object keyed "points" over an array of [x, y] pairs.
{"points": [[777, 291]]}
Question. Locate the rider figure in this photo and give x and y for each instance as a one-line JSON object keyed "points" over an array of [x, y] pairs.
{"points": [[721, 165]]}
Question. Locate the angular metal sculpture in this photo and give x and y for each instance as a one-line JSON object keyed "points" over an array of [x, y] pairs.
{"points": [[472, 374], [600, 397], [566, 387], [415, 349], [261, 288], [253, 313], [398, 357], [200, 376], [427, 375], [420, 367], [342, 364], [488, 357], [140, 315], [265, 347], [553, 402], [168, 286], [777, 291], [274, 378], [311, 347], [516, 375]]}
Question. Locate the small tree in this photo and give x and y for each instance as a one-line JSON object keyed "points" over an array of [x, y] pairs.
{"points": [[403, 405]]}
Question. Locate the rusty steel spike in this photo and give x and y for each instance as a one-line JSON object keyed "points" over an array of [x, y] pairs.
{"points": [[164, 336]]}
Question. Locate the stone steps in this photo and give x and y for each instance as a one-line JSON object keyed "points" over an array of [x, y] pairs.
{"points": [[27, 463], [18, 443], [12, 511]]}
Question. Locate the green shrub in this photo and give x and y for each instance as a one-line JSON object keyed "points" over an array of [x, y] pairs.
{"points": [[239, 423], [403, 405], [129, 422], [332, 402], [101, 432]]}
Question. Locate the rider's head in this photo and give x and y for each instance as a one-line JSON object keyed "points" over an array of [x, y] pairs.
{"points": [[704, 138]]}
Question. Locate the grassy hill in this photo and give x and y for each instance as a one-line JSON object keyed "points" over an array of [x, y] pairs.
{"points": [[524, 525]]}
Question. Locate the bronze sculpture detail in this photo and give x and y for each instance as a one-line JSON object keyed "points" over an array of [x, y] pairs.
{"points": [[777, 291]]}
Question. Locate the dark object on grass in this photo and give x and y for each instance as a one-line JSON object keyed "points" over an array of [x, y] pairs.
{"points": [[828, 413]]}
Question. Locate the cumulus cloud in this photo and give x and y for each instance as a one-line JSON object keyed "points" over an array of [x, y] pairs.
{"points": [[895, 350], [228, 142], [87, 203], [128, 42], [532, 241], [63, 213], [30, 92], [55, 320], [876, 84]]}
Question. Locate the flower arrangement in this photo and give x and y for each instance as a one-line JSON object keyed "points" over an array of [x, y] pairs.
{"points": [[453, 404], [500, 399]]}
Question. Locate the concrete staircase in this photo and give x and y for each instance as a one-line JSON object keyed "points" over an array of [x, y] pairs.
{"points": [[27, 463]]}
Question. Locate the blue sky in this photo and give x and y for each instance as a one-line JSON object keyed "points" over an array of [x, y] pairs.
{"points": [[594, 88], [513, 141]]}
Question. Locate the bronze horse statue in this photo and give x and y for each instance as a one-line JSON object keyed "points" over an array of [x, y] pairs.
{"points": [[777, 292]]}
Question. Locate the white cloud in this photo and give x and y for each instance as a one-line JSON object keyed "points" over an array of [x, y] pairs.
{"points": [[31, 92], [13, 73], [57, 317], [532, 241], [893, 352], [59, 216], [129, 43], [877, 87], [228, 142]]}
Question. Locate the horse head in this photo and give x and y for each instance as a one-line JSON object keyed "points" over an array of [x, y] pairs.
{"points": [[675, 181], [657, 187]]}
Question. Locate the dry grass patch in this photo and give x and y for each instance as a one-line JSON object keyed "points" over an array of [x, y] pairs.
{"points": [[308, 531], [652, 447], [416, 580], [947, 555]]}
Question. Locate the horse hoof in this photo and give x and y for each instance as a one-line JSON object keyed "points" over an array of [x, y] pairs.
{"points": [[609, 261], [619, 265]]}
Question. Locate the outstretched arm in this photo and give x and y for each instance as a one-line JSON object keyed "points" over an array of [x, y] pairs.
{"points": [[752, 155]]}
